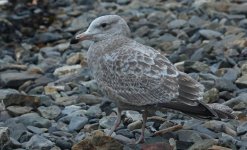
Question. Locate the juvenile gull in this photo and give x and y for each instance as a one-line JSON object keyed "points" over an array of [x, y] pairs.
{"points": [[138, 77]]}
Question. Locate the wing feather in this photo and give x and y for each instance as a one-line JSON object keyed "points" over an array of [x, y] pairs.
{"points": [[139, 74]]}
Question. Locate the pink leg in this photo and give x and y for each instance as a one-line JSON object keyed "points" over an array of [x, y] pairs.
{"points": [[144, 117], [117, 122]]}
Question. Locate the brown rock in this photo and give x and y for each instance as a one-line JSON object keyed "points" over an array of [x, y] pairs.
{"points": [[98, 141]]}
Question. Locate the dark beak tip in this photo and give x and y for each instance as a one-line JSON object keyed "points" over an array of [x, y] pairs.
{"points": [[74, 41]]}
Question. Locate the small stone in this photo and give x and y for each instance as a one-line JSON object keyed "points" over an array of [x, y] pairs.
{"points": [[47, 37], [236, 100], [89, 99], [211, 95], [78, 24], [244, 69], [107, 122], [133, 115], [15, 79], [195, 66], [210, 34], [203, 144], [39, 142], [94, 111], [224, 85], [242, 81], [50, 112], [16, 129], [36, 130], [188, 136], [98, 141], [135, 125], [125, 132], [242, 128], [33, 119], [19, 110], [76, 58], [4, 137], [67, 70], [179, 23], [77, 123], [11, 98], [70, 109]]}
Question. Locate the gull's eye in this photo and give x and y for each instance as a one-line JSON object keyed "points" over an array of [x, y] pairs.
{"points": [[103, 25]]}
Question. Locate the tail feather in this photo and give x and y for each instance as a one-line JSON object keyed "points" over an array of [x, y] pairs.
{"points": [[200, 110]]}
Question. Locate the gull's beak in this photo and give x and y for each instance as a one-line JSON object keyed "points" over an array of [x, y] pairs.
{"points": [[81, 37]]}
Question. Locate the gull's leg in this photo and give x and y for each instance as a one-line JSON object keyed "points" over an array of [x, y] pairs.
{"points": [[144, 117], [117, 122]]}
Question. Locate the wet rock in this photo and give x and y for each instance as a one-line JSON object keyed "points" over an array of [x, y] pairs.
{"points": [[33, 119], [39, 142], [50, 112], [77, 123], [98, 141], [15, 79], [19, 110]]}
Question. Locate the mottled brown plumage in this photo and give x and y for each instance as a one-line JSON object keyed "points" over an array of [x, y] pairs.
{"points": [[139, 77]]}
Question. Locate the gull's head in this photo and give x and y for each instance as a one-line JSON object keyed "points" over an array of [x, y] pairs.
{"points": [[104, 27]]}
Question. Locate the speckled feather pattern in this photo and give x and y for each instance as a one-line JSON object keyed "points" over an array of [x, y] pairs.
{"points": [[138, 75]]}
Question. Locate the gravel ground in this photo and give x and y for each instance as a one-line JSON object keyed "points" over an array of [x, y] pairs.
{"points": [[49, 100]]}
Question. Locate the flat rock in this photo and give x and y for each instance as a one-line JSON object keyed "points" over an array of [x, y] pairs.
{"points": [[16, 129], [94, 111], [19, 99], [15, 79], [107, 122], [50, 112], [77, 123], [242, 81], [67, 70], [133, 115], [203, 144], [33, 119], [210, 34], [39, 142], [188, 136], [19, 110], [178, 23]]}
